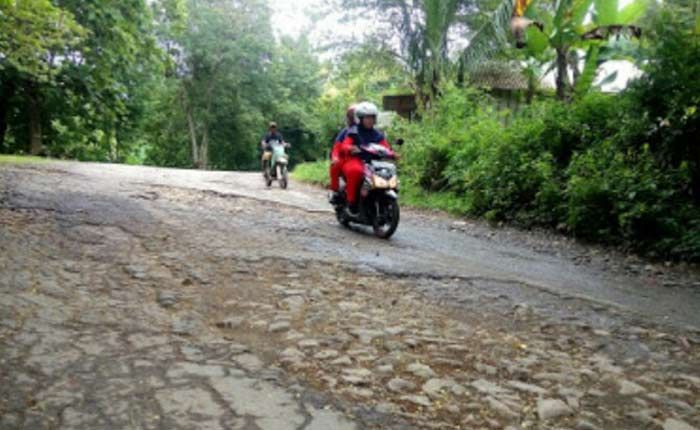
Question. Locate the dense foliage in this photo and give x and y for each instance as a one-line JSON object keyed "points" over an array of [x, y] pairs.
{"points": [[620, 169], [169, 82]]}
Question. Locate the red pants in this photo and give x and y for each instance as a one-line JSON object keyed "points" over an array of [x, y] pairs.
{"points": [[336, 170], [354, 172]]}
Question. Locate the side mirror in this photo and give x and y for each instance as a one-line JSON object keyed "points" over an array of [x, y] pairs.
{"points": [[399, 142]]}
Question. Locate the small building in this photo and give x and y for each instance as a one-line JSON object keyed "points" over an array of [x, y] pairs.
{"points": [[505, 82], [403, 104]]}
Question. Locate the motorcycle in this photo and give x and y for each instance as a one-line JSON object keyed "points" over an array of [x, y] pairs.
{"points": [[379, 193], [276, 164]]}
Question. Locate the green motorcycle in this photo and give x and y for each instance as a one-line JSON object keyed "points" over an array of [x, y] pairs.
{"points": [[277, 166]]}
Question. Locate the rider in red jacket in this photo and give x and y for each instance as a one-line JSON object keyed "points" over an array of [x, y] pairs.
{"points": [[353, 168], [337, 160]]}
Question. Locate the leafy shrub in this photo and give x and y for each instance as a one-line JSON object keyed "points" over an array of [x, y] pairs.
{"points": [[590, 167], [626, 198], [668, 95], [568, 128], [313, 172]]}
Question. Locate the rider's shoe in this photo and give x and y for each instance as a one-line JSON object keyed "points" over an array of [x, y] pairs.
{"points": [[335, 198], [352, 211]]}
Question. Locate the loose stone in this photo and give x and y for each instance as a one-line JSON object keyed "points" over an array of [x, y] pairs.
{"points": [[385, 369], [487, 387], [674, 424], [357, 376], [417, 400], [433, 388], [502, 409], [342, 361], [278, 327], [167, 299], [308, 344], [291, 355], [420, 370], [585, 425], [552, 408], [399, 385], [629, 388], [326, 354]]}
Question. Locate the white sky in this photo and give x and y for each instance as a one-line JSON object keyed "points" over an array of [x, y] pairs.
{"points": [[296, 17]]}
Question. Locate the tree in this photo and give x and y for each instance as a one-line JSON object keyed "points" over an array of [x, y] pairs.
{"points": [[562, 28], [418, 32], [103, 89], [34, 36], [224, 42], [227, 77]]}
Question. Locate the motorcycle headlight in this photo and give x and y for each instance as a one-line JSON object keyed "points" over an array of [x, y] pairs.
{"points": [[394, 182], [380, 182]]}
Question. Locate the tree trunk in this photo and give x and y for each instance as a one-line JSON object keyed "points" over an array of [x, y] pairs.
{"points": [[531, 89], [562, 78], [35, 138], [204, 150], [193, 137], [8, 90]]}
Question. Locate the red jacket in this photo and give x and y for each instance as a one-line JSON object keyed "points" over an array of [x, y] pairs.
{"points": [[358, 136]]}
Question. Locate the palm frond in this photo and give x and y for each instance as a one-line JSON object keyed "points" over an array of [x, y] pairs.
{"points": [[491, 37], [590, 70]]}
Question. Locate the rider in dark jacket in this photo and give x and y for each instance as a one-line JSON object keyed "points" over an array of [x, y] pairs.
{"points": [[272, 134], [265, 148]]}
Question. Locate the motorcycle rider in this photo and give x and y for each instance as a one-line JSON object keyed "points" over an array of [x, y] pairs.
{"points": [[271, 135], [336, 168], [353, 167]]}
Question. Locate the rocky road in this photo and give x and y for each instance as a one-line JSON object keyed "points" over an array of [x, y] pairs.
{"points": [[143, 298]]}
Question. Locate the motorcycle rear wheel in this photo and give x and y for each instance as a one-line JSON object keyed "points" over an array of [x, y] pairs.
{"points": [[267, 176], [340, 216]]}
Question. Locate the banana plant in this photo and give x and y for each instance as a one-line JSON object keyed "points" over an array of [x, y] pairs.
{"points": [[560, 27], [574, 25]]}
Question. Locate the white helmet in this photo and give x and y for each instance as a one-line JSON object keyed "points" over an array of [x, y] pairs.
{"points": [[365, 109]]}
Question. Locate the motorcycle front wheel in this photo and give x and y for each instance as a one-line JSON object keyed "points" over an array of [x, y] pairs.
{"points": [[386, 224], [284, 177]]}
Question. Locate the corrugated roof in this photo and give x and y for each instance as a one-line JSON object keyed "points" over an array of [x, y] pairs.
{"points": [[498, 76]]}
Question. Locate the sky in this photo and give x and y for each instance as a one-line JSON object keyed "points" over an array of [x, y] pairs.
{"points": [[293, 18]]}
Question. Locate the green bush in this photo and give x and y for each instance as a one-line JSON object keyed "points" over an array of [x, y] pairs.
{"points": [[314, 172], [568, 128], [584, 167], [668, 95], [627, 198]]}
